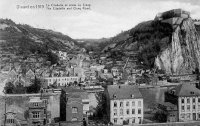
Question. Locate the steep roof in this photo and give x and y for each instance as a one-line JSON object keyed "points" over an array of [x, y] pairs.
{"points": [[123, 92], [186, 90]]}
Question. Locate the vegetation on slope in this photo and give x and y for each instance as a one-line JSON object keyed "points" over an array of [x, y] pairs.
{"points": [[23, 40], [151, 38]]}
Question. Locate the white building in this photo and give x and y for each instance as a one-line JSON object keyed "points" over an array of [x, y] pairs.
{"points": [[125, 104], [188, 102], [61, 81]]}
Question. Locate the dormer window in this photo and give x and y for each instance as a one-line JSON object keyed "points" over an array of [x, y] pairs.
{"points": [[132, 96], [191, 92], [114, 96], [172, 91]]}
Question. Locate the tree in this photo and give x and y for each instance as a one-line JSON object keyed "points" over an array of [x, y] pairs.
{"points": [[35, 87], [9, 88], [101, 108], [52, 57], [19, 89], [160, 116], [26, 114]]}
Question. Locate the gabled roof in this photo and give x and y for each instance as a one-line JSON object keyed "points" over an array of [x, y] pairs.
{"points": [[123, 92], [186, 90]]}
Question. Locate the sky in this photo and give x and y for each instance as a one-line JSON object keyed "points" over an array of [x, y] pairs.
{"points": [[106, 18]]}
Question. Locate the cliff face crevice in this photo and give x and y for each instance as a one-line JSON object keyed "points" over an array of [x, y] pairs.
{"points": [[182, 56]]}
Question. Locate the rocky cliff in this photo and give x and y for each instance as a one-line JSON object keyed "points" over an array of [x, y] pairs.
{"points": [[170, 42], [182, 56]]}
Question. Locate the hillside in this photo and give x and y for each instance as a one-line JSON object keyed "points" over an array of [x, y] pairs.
{"points": [[169, 42], [24, 40], [93, 44]]}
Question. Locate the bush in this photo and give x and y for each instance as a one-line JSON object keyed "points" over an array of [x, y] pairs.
{"points": [[9, 88]]}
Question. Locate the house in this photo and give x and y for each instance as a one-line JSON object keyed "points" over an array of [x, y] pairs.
{"points": [[37, 111], [115, 71], [74, 105], [30, 74], [85, 63], [12, 74], [14, 119], [125, 104], [171, 109], [19, 81], [83, 94], [187, 99]]}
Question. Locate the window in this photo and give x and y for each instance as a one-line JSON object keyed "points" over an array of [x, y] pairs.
{"points": [[188, 116], [115, 111], [74, 110], [188, 100], [188, 107], [127, 103], [36, 115], [133, 121], [182, 100], [182, 108], [139, 111], [133, 103], [139, 104], [121, 104], [35, 104], [182, 116], [127, 111], [121, 111], [115, 120], [194, 107], [140, 120], [45, 101], [198, 99], [115, 104], [193, 100], [10, 120], [133, 111]]}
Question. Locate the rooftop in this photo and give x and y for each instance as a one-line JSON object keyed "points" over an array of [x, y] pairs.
{"points": [[186, 90], [124, 92], [35, 99]]}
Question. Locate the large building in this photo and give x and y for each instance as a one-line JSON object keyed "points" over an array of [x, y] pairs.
{"points": [[61, 81], [125, 104], [187, 98]]}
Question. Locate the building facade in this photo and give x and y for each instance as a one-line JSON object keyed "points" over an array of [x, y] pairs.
{"points": [[125, 104], [61, 81], [37, 112], [187, 99]]}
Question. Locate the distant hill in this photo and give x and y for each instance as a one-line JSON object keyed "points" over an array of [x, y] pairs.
{"points": [[24, 40], [99, 45]]}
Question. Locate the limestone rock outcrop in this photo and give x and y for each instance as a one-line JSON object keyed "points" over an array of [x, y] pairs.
{"points": [[182, 56]]}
